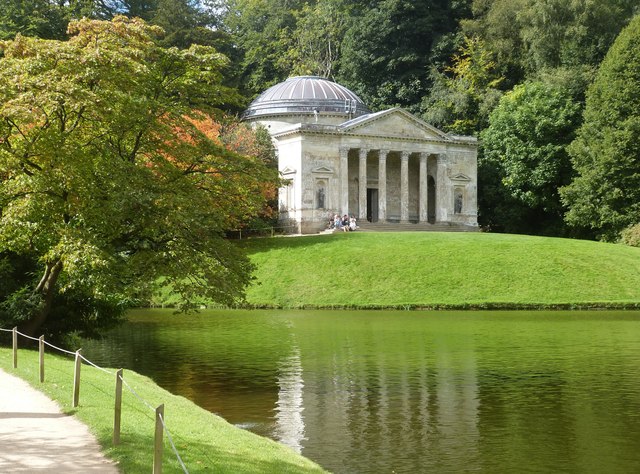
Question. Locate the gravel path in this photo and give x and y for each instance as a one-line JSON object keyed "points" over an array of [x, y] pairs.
{"points": [[35, 436]]}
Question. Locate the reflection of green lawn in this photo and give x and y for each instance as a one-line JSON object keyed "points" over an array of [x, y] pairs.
{"points": [[205, 442], [430, 268]]}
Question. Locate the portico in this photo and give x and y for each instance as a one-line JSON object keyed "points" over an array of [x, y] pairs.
{"points": [[373, 202]]}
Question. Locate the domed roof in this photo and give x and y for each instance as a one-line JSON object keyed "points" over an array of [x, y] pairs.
{"points": [[306, 94]]}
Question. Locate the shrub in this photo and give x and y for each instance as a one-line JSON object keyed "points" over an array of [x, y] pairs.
{"points": [[631, 235]]}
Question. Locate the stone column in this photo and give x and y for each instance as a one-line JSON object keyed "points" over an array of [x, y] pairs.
{"points": [[404, 186], [423, 196], [344, 181], [382, 185], [442, 191], [362, 181]]}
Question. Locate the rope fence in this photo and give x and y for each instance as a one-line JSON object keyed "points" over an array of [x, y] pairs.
{"points": [[160, 425]]}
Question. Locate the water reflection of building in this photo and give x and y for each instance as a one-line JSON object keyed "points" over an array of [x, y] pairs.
{"points": [[374, 403], [289, 425]]}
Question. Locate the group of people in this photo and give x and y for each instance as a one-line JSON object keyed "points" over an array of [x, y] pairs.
{"points": [[344, 223]]}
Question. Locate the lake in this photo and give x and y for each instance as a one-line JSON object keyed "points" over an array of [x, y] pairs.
{"points": [[406, 392]]}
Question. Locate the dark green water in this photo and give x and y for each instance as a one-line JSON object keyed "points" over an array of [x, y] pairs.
{"points": [[407, 392]]}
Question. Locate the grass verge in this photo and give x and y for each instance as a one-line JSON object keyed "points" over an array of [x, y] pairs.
{"points": [[442, 271], [206, 442]]}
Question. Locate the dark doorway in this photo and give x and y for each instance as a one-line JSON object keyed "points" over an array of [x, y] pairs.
{"points": [[372, 205], [431, 200]]}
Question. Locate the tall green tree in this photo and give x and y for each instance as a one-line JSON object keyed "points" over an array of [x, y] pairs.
{"points": [[527, 36], [525, 159], [264, 32], [318, 37], [108, 179], [388, 49], [41, 18], [605, 195], [495, 22], [463, 96], [570, 33]]}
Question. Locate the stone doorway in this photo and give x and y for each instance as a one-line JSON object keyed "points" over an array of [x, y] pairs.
{"points": [[431, 200], [372, 205]]}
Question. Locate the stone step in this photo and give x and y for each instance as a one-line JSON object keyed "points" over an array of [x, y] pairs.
{"points": [[418, 227]]}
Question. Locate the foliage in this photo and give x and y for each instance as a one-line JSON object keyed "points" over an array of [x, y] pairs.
{"points": [[529, 35], [107, 182], [387, 48], [631, 235], [605, 194], [248, 141], [318, 36], [41, 18], [184, 23], [76, 312], [495, 23], [463, 96], [569, 33], [526, 143], [264, 31]]}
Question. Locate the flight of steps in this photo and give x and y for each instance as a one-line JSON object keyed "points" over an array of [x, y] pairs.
{"points": [[418, 227]]}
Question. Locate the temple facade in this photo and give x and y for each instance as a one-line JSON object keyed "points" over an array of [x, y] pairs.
{"points": [[337, 157]]}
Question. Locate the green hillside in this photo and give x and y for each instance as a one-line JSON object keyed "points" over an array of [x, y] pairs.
{"points": [[424, 269]]}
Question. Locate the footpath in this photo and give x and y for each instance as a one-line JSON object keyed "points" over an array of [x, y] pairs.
{"points": [[36, 437]]}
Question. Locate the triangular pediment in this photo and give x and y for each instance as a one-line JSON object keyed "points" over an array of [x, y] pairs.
{"points": [[322, 170], [395, 122], [287, 171], [460, 177]]}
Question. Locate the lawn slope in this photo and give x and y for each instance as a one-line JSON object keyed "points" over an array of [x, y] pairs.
{"points": [[429, 269]]}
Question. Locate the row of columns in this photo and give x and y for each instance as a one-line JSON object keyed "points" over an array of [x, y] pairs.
{"points": [[382, 183]]}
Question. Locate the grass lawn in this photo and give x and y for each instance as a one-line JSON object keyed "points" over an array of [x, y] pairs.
{"points": [[433, 269], [205, 442]]}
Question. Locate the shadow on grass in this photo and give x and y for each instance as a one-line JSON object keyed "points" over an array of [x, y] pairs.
{"points": [[261, 245], [218, 460]]}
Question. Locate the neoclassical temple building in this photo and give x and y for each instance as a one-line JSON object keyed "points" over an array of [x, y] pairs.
{"points": [[385, 168]]}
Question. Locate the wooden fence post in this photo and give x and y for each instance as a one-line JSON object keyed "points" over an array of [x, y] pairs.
{"points": [[41, 348], [157, 448], [118, 408], [76, 379], [15, 348]]}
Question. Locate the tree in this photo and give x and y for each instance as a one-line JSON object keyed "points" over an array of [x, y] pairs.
{"points": [[387, 50], [319, 32], [463, 96], [525, 148], [495, 22], [527, 36], [40, 18], [107, 180], [605, 194], [570, 33], [264, 31]]}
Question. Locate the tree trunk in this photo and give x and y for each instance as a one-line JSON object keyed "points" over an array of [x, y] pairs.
{"points": [[46, 289]]}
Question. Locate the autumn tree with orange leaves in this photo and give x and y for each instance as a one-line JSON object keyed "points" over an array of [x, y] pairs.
{"points": [[112, 174]]}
